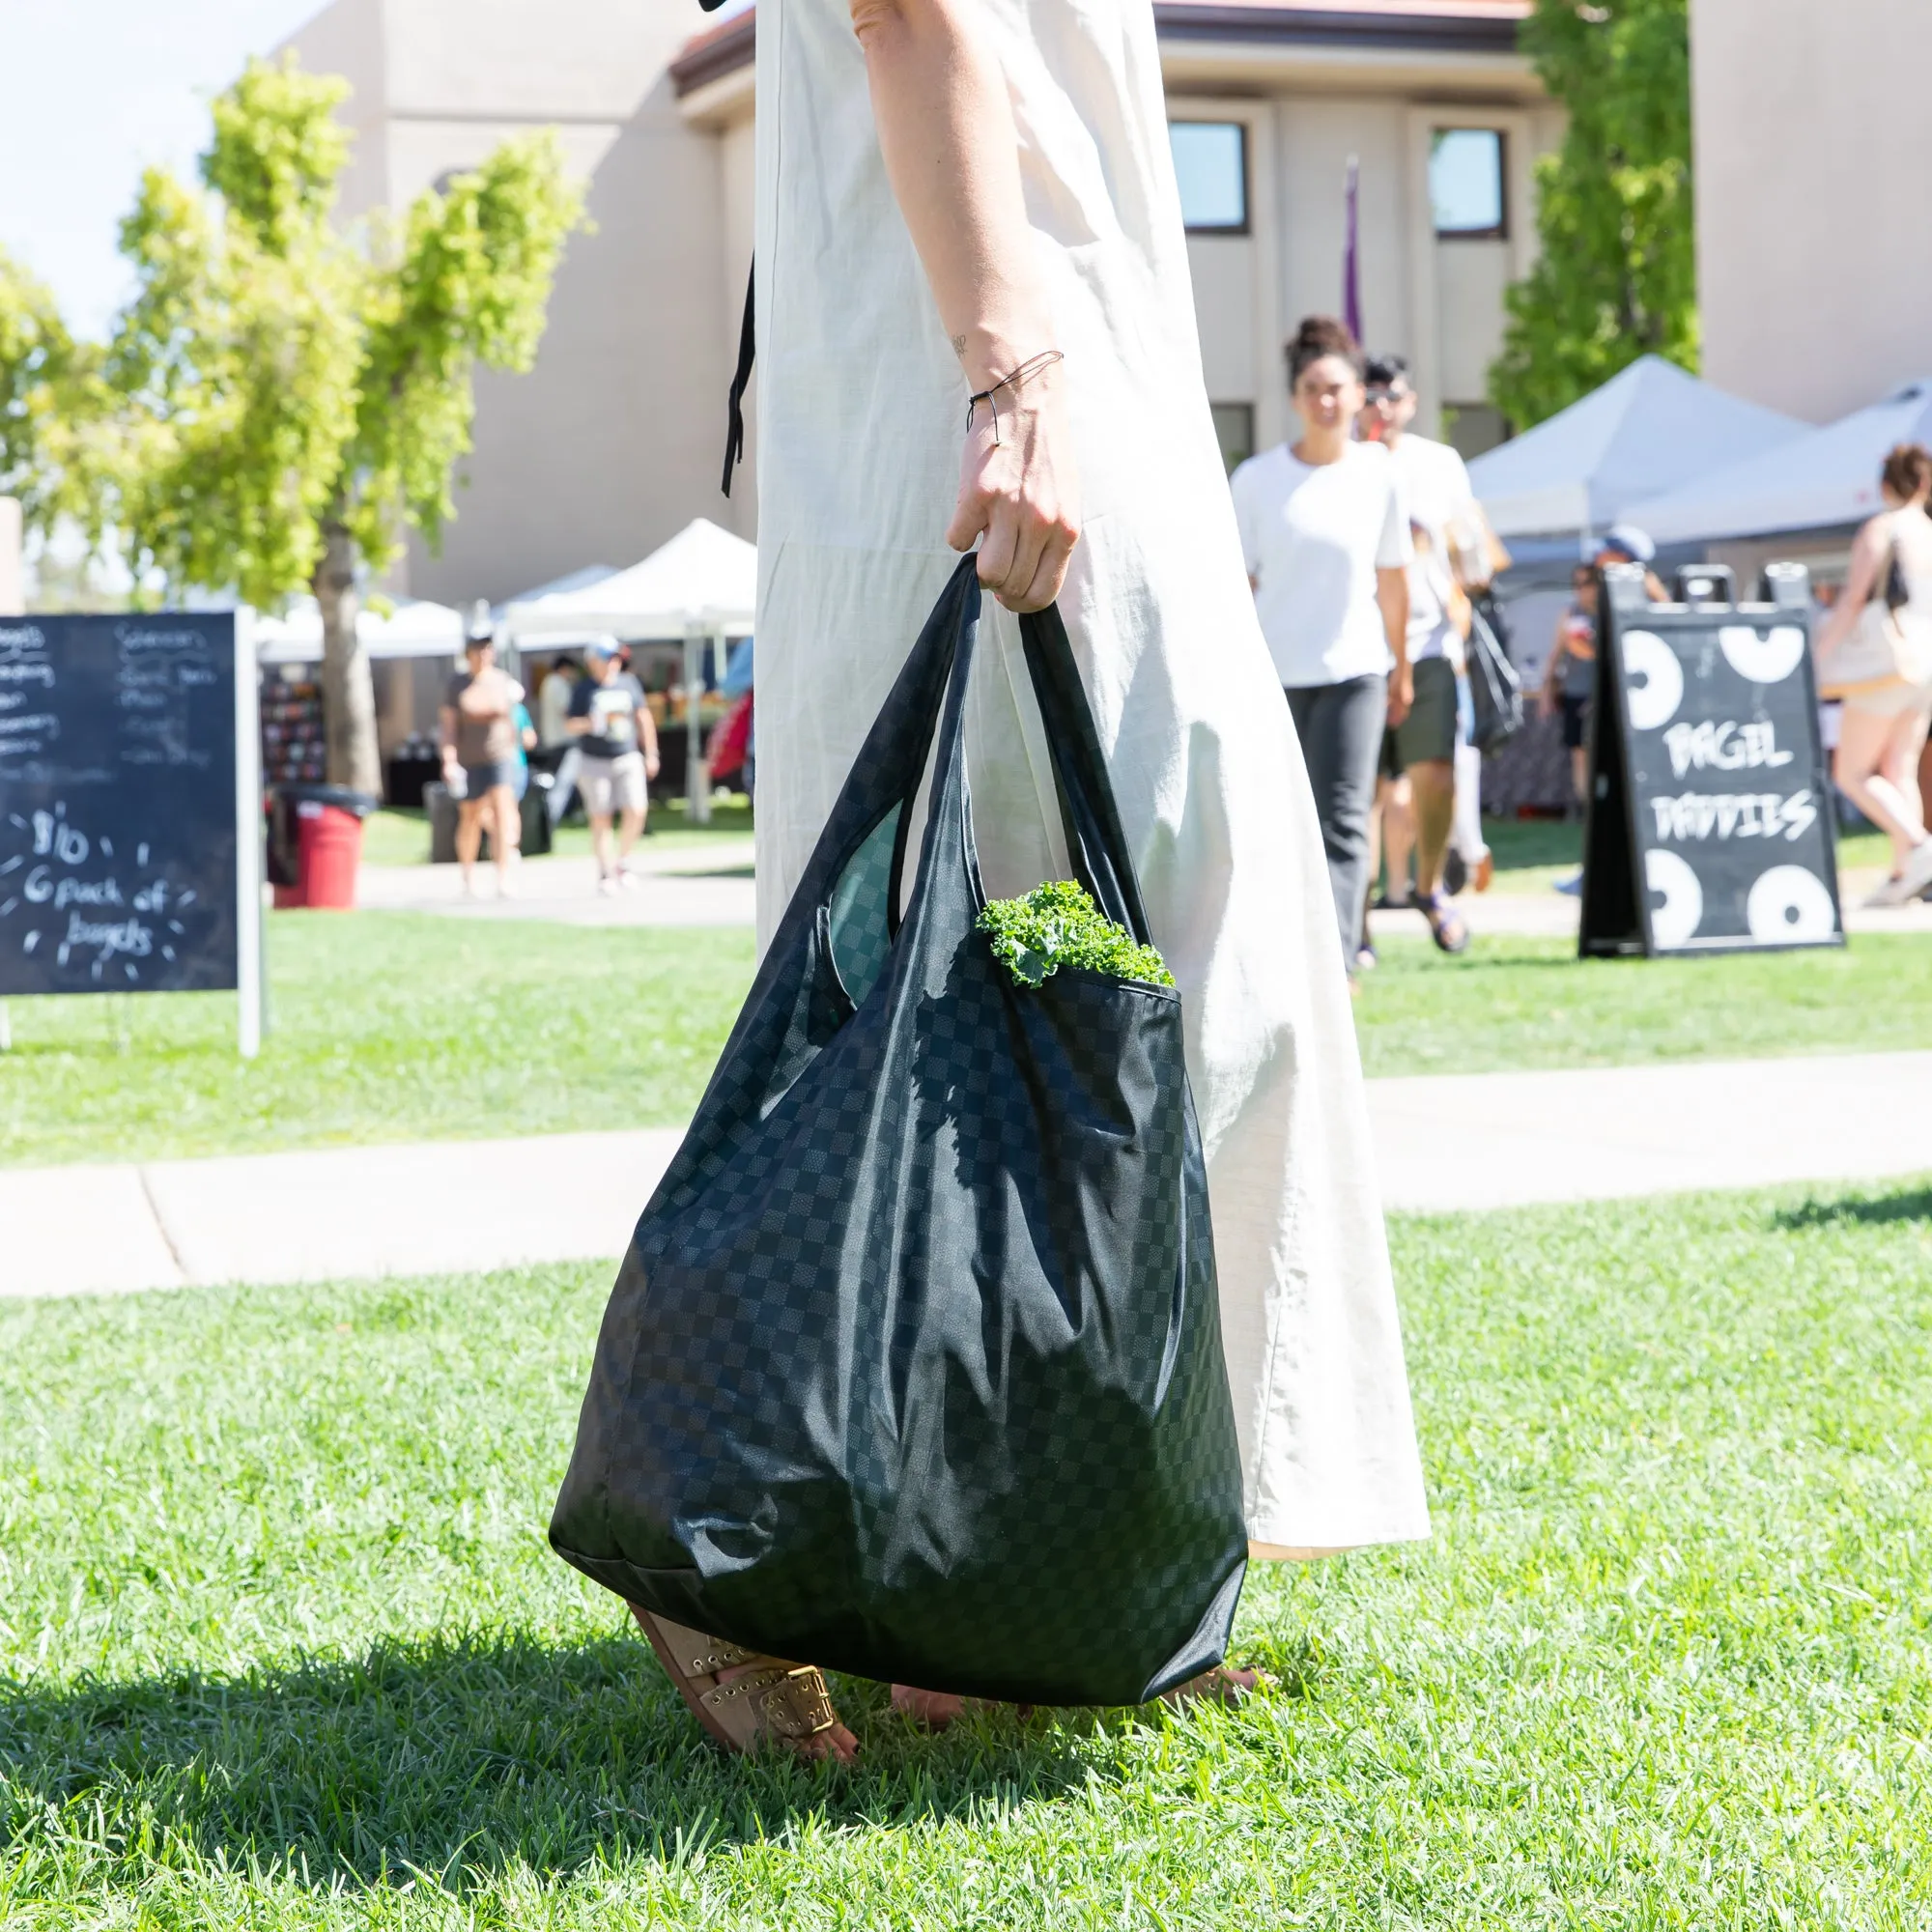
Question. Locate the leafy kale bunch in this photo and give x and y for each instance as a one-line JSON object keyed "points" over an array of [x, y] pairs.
{"points": [[1058, 925]]}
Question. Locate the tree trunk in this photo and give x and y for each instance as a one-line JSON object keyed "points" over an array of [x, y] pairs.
{"points": [[347, 691]]}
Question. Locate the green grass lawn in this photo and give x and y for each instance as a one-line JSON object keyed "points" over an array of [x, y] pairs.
{"points": [[384, 1027], [401, 838], [281, 1644], [1512, 1003], [1532, 854], [401, 1026]]}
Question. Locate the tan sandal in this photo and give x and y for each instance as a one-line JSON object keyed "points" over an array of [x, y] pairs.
{"points": [[774, 1701], [1219, 1685]]}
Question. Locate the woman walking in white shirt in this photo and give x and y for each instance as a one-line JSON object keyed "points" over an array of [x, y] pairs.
{"points": [[1328, 548]]}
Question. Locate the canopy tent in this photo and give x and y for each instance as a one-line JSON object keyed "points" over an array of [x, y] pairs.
{"points": [[702, 587], [703, 583], [414, 628], [1647, 430], [1824, 478], [573, 579]]}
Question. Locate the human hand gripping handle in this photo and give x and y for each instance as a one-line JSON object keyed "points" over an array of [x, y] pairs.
{"points": [[1019, 486], [946, 128]]}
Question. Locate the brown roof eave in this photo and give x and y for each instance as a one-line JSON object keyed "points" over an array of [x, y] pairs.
{"points": [[711, 56], [1421, 26], [1421, 29]]}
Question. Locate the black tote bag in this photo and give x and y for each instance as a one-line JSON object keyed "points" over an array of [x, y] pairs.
{"points": [[914, 1366], [1495, 686]]}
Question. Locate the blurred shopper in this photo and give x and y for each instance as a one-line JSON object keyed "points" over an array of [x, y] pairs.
{"points": [[479, 759], [1570, 677], [1456, 553], [619, 739], [1875, 656], [553, 696], [525, 743], [1326, 531]]}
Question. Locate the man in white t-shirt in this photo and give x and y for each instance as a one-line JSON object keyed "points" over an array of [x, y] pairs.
{"points": [[1426, 762]]}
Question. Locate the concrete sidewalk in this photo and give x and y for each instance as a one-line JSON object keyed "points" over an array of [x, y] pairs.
{"points": [[1471, 1141], [713, 885]]}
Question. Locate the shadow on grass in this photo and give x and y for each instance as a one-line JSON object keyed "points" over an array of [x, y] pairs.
{"points": [[1909, 1203], [457, 1758]]}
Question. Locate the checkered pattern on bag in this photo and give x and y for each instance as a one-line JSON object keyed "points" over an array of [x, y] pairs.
{"points": [[914, 1368]]}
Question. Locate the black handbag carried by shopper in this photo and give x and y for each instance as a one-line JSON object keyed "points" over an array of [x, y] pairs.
{"points": [[914, 1366], [1495, 688]]}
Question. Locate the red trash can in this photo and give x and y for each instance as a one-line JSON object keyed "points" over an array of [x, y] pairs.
{"points": [[315, 845], [331, 846]]}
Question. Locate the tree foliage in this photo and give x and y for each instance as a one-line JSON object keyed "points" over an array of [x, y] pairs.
{"points": [[1616, 278], [288, 377], [293, 395], [55, 436]]}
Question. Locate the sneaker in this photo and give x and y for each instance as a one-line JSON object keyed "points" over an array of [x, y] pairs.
{"points": [[628, 879], [1366, 959], [1892, 891], [607, 887], [1573, 888], [1917, 873]]}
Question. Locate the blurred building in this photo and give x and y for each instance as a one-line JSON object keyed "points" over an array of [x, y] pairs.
{"points": [[1813, 154], [614, 444]]}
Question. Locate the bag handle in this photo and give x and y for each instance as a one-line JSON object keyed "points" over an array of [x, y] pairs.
{"points": [[1095, 840]]}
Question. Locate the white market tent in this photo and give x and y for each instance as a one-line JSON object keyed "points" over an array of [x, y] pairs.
{"points": [[1647, 430], [703, 583], [701, 586], [1820, 480], [414, 628]]}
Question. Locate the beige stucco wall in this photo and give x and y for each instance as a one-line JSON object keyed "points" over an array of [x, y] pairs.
{"points": [[614, 442], [611, 443], [1813, 163]]}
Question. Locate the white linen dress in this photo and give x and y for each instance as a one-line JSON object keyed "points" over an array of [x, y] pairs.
{"points": [[861, 419]]}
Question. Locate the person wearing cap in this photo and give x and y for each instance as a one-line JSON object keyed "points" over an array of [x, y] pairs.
{"points": [[479, 759], [1575, 658], [619, 741]]}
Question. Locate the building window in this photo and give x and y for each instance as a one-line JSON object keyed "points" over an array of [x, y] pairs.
{"points": [[1466, 183], [1235, 432], [1210, 162]]}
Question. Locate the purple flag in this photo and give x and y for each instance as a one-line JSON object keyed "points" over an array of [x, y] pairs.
{"points": [[1352, 265]]}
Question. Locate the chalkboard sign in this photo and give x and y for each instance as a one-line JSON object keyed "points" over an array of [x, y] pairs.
{"points": [[1709, 820], [129, 807]]}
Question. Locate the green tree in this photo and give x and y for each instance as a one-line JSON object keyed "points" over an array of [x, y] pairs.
{"points": [[56, 444], [296, 395], [1617, 275]]}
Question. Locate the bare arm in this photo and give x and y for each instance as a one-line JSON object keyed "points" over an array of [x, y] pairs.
{"points": [[647, 740], [1392, 595], [946, 128], [1868, 554]]}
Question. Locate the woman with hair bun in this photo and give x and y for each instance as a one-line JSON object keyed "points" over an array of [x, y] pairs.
{"points": [[1875, 654], [1325, 530]]}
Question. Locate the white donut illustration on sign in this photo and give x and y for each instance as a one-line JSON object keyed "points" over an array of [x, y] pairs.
{"points": [[1763, 658], [1788, 903], [1672, 924], [1653, 703]]}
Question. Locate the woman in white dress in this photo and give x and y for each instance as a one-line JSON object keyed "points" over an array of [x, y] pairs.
{"points": [[950, 192]]}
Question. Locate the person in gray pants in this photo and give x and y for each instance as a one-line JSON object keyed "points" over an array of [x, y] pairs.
{"points": [[1325, 528]]}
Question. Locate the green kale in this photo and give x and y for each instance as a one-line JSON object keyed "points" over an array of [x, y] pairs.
{"points": [[1058, 925]]}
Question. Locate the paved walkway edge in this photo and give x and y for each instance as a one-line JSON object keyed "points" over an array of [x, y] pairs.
{"points": [[1444, 1143]]}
